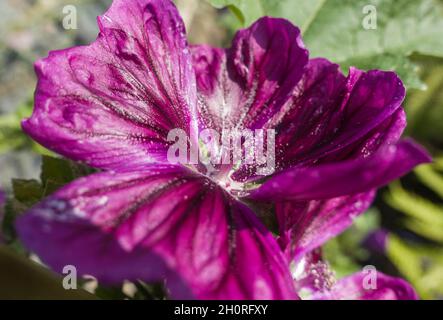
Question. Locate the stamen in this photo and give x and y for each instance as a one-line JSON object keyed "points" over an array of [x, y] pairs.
{"points": [[323, 277]]}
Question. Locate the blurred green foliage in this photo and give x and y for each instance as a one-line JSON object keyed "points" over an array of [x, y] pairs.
{"points": [[345, 252], [11, 135]]}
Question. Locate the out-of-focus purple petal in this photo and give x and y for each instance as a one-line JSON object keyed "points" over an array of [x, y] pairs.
{"points": [[244, 86], [112, 103], [359, 286], [376, 241], [306, 225], [165, 222], [344, 177]]}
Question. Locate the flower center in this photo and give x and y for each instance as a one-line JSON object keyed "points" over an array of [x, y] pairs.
{"points": [[235, 188], [323, 276]]}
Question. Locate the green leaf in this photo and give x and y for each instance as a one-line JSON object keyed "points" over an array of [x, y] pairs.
{"points": [[300, 12], [402, 65], [403, 27], [333, 29], [57, 172], [247, 11], [28, 192]]}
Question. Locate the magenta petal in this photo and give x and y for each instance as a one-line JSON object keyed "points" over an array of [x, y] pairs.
{"points": [[347, 177], [359, 287], [307, 225], [377, 241], [112, 103], [244, 86], [164, 222], [329, 113], [387, 133], [313, 113]]}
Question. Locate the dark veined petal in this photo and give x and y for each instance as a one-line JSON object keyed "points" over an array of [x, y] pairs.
{"points": [[346, 177], [111, 104], [387, 133], [244, 86], [331, 117], [307, 225], [360, 286], [165, 222], [312, 113], [329, 114]]}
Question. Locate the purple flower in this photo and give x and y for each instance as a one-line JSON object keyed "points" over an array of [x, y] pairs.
{"points": [[316, 281], [377, 241], [112, 104]]}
